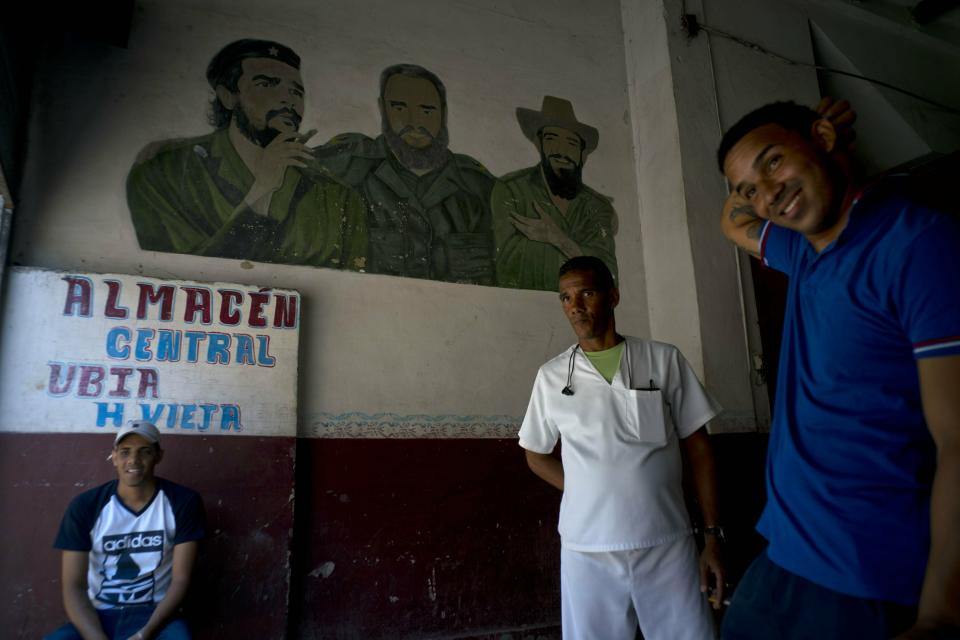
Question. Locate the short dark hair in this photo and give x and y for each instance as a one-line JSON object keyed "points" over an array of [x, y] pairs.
{"points": [[789, 115], [590, 264], [226, 67]]}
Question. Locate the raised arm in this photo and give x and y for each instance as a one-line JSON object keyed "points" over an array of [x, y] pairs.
{"points": [[939, 611], [184, 555], [843, 116], [80, 611], [741, 224]]}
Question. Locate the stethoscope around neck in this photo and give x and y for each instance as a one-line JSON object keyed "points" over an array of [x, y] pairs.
{"points": [[568, 390]]}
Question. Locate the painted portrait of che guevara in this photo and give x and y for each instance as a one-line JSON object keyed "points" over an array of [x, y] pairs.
{"points": [[544, 215], [429, 208], [248, 190]]}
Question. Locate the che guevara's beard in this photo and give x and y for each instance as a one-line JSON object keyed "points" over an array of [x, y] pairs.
{"points": [[431, 157], [263, 137], [563, 183]]}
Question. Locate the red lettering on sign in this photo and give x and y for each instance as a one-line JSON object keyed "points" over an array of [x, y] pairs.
{"points": [[79, 294], [163, 295]]}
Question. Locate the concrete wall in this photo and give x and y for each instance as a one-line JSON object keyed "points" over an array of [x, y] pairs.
{"points": [[684, 92], [415, 513], [425, 346]]}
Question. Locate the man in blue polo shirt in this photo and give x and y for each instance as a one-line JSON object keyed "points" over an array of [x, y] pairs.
{"points": [[128, 548], [863, 467]]}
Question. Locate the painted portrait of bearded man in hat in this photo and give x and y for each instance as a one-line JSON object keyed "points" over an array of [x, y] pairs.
{"points": [[545, 215]]}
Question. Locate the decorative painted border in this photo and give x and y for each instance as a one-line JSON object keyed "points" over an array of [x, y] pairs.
{"points": [[392, 425], [355, 424]]}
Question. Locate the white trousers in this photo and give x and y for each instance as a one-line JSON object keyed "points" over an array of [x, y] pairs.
{"points": [[605, 595]]}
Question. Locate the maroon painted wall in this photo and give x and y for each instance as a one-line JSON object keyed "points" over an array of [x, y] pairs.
{"points": [[428, 538], [240, 585], [390, 539]]}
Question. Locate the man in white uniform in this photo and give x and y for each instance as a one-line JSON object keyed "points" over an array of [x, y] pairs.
{"points": [[623, 409]]}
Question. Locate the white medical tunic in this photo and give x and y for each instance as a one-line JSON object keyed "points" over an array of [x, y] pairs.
{"points": [[620, 444]]}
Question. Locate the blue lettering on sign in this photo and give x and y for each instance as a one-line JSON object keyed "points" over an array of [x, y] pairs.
{"points": [[208, 411], [194, 338], [172, 413], [264, 359], [199, 417], [104, 412], [114, 348], [218, 349], [186, 419], [151, 416], [244, 349], [142, 351], [229, 417], [168, 345]]}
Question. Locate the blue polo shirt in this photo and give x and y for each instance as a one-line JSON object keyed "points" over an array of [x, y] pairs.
{"points": [[851, 462]]}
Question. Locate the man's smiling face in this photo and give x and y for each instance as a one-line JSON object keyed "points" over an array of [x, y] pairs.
{"points": [[562, 148], [786, 177], [134, 458]]}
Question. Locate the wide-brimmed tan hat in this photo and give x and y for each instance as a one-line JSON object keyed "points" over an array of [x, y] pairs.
{"points": [[556, 112]]}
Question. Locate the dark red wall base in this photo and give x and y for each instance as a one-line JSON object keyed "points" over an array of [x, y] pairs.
{"points": [[240, 585], [390, 539], [422, 538]]}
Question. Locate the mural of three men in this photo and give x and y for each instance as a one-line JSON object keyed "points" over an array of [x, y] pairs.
{"points": [[399, 204]]}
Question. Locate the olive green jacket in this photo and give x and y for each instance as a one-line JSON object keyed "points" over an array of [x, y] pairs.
{"points": [[589, 221], [185, 197], [436, 226]]}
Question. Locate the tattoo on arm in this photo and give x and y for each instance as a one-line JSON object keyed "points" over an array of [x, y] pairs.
{"points": [[754, 229], [742, 210]]}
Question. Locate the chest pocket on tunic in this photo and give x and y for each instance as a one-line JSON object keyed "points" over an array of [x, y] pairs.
{"points": [[646, 417]]}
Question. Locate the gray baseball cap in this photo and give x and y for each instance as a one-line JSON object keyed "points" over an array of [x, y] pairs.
{"points": [[146, 429]]}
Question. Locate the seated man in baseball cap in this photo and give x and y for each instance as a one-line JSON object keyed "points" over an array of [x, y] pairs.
{"points": [[128, 548]]}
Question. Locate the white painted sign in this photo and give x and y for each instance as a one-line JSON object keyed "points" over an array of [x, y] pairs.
{"points": [[87, 352]]}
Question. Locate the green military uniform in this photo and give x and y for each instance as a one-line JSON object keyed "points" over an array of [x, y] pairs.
{"points": [[435, 226], [589, 221], [184, 199]]}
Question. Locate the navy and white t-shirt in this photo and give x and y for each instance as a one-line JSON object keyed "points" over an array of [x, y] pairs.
{"points": [[131, 553]]}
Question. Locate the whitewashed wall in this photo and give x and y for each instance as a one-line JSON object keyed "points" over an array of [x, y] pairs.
{"points": [[380, 356]]}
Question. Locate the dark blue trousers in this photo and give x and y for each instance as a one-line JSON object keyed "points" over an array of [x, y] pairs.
{"points": [[123, 622], [771, 603]]}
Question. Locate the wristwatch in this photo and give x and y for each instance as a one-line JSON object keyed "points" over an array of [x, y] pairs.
{"points": [[715, 531]]}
